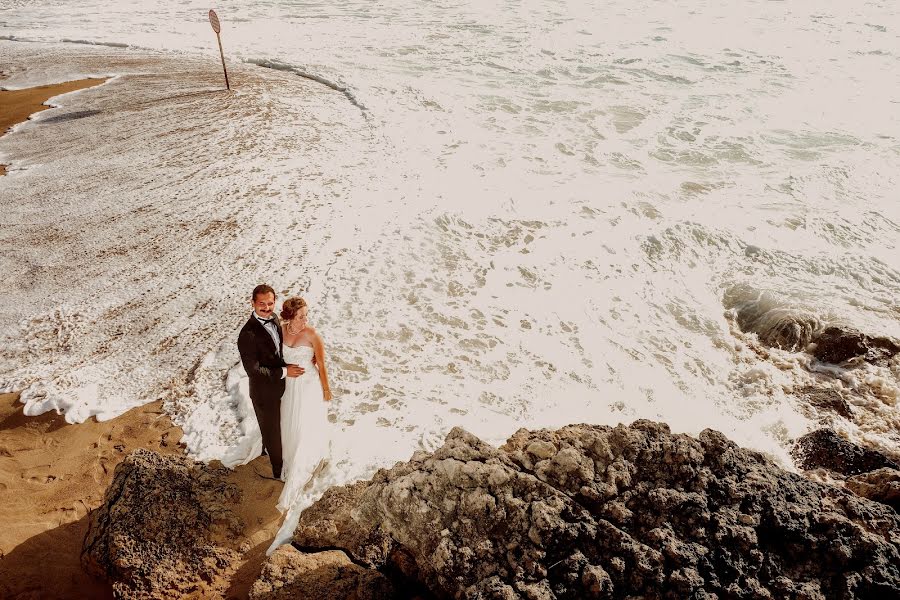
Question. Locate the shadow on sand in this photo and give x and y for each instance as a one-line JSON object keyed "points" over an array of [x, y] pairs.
{"points": [[14, 417], [28, 578]]}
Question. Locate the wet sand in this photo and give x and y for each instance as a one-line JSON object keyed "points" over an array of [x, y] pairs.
{"points": [[17, 105], [52, 474]]}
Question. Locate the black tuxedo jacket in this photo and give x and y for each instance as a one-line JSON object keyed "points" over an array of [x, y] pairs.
{"points": [[262, 360]]}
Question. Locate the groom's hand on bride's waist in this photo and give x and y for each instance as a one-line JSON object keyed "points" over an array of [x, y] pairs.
{"points": [[294, 371]]}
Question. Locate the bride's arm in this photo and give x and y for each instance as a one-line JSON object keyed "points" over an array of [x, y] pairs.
{"points": [[319, 349]]}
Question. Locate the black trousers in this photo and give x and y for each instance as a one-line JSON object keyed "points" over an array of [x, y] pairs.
{"points": [[268, 415]]}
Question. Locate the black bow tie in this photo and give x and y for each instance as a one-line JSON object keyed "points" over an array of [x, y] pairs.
{"points": [[266, 321]]}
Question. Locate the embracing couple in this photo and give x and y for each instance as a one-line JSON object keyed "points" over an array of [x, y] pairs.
{"points": [[285, 362]]}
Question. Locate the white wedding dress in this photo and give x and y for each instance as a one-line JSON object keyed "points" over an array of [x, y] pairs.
{"points": [[305, 430]]}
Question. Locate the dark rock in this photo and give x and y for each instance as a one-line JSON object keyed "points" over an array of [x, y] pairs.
{"points": [[163, 527], [882, 486], [826, 399], [601, 512], [778, 324], [292, 575], [836, 345], [825, 449]]}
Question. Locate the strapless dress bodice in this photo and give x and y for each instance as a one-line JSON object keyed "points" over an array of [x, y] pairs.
{"points": [[298, 355]]}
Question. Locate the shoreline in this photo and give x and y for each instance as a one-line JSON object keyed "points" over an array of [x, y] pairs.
{"points": [[19, 105], [54, 474]]}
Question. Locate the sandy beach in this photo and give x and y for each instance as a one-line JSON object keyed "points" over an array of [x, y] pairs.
{"points": [[52, 474], [18, 105]]}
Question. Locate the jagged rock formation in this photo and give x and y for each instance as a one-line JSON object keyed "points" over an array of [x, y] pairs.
{"points": [[580, 512], [163, 530], [292, 575], [795, 330], [836, 345], [600, 512], [882, 486], [778, 325], [825, 449]]}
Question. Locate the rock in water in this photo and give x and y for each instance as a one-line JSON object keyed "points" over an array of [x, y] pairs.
{"points": [[162, 530], [825, 449], [826, 399], [836, 345], [600, 512], [775, 323]]}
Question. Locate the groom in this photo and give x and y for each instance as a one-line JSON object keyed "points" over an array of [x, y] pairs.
{"points": [[261, 354]]}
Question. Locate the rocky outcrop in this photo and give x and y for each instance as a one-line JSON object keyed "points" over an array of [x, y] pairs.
{"points": [[601, 512], [825, 449], [164, 528], [836, 345], [882, 486], [292, 575], [779, 324]]}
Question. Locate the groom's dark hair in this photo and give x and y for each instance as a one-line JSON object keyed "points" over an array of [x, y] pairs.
{"points": [[263, 289]]}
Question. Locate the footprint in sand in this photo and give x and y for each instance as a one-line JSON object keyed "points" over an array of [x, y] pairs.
{"points": [[42, 479], [48, 442]]}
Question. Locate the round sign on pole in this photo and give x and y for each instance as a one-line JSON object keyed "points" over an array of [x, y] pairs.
{"points": [[214, 21]]}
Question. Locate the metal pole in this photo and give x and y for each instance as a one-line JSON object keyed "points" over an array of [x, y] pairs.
{"points": [[222, 54]]}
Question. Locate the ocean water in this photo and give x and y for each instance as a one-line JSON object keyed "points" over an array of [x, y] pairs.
{"points": [[503, 214]]}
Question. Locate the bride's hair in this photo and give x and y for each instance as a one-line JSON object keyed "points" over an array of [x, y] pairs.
{"points": [[291, 307]]}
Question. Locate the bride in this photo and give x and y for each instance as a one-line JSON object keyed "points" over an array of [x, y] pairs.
{"points": [[305, 430]]}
